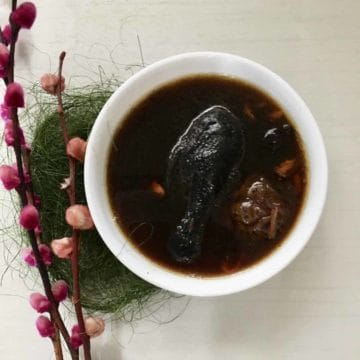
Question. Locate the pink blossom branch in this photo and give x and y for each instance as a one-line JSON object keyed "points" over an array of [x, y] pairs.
{"points": [[22, 190], [75, 234]]}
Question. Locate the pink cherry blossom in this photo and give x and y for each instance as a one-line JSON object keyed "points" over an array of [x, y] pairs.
{"points": [[14, 95], [9, 177], [29, 257], [76, 148], [29, 217], [46, 254], [75, 338], [6, 34], [50, 83], [40, 302], [27, 178], [78, 216], [10, 135], [62, 248], [24, 15], [60, 290], [94, 326], [45, 327]]}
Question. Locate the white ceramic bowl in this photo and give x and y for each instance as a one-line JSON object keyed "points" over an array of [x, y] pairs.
{"points": [[142, 84]]}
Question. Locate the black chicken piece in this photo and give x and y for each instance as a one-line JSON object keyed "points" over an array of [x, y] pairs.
{"points": [[201, 162]]}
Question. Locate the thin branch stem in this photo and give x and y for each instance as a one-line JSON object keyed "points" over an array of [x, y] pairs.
{"points": [[14, 34], [75, 233], [57, 342], [14, 5]]}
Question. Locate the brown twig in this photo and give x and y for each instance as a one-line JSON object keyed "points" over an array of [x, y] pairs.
{"points": [[14, 34], [22, 190], [57, 342], [75, 233]]}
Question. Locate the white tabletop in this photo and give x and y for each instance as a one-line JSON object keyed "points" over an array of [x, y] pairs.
{"points": [[311, 310]]}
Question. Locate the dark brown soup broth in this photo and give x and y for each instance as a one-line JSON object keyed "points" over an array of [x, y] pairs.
{"points": [[138, 160]]}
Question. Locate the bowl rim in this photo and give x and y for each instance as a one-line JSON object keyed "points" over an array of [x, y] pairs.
{"points": [[261, 271]]}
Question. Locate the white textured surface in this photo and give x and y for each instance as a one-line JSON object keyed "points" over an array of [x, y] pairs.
{"points": [[312, 309]]}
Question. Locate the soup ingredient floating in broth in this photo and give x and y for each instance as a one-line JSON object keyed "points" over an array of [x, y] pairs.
{"points": [[257, 208], [202, 162]]}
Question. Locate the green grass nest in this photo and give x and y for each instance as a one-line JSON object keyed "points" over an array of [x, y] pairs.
{"points": [[106, 285]]}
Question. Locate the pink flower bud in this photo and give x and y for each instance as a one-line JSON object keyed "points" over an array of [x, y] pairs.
{"points": [[10, 134], [60, 290], [14, 95], [75, 338], [25, 14], [94, 326], [5, 112], [29, 217], [29, 257], [9, 177], [50, 83], [6, 34], [78, 216], [39, 302], [46, 255], [45, 327], [4, 58], [76, 148], [26, 174], [62, 248], [38, 230]]}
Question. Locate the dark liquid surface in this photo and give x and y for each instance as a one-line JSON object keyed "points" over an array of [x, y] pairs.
{"points": [[139, 157]]}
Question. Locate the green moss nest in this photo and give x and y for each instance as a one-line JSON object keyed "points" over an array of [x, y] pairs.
{"points": [[106, 285]]}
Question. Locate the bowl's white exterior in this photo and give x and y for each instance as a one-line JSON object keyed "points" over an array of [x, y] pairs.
{"points": [[139, 86]]}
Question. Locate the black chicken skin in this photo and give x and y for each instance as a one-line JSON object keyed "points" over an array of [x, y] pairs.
{"points": [[201, 162]]}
